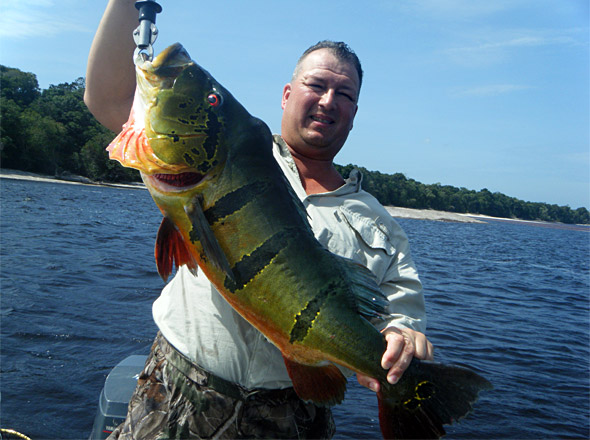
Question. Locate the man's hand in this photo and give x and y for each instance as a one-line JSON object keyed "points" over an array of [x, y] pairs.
{"points": [[402, 346]]}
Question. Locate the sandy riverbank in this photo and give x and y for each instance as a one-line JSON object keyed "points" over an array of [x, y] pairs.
{"points": [[430, 214], [71, 179], [419, 214]]}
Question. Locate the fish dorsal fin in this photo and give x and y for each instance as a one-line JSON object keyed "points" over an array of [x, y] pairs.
{"points": [[370, 300], [171, 250], [322, 384], [201, 232], [299, 207]]}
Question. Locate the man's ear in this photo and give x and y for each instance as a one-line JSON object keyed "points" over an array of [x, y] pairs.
{"points": [[352, 122], [286, 94]]}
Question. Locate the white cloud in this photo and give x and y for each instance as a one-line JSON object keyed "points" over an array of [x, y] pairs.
{"points": [[488, 47], [526, 40], [36, 18], [488, 90], [456, 9]]}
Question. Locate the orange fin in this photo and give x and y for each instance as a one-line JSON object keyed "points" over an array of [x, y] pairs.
{"points": [[131, 148], [172, 250], [323, 385], [126, 146]]}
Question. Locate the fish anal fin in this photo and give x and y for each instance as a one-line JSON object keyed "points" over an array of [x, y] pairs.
{"points": [[171, 250], [323, 385]]}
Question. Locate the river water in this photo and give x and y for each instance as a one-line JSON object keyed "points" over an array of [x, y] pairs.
{"points": [[77, 281]]}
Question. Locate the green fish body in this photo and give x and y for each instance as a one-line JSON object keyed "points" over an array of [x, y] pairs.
{"points": [[229, 210]]}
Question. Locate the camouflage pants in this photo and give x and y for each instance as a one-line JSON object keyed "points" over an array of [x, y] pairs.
{"points": [[176, 399]]}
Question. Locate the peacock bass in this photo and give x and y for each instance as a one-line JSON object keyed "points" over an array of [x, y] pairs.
{"points": [[229, 210]]}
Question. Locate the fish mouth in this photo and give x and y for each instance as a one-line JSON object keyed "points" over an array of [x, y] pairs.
{"points": [[168, 182], [171, 59], [162, 71], [169, 63]]}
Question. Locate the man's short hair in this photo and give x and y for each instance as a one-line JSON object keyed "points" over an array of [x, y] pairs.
{"points": [[341, 50]]}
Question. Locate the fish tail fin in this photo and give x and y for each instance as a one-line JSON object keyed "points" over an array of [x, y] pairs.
{"points": [[428, 396]]}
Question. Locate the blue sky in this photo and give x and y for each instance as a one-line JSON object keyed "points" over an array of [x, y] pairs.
{"points": [[471, 93]]}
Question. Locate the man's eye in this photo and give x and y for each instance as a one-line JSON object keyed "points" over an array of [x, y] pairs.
{"points": [[347, 96]]}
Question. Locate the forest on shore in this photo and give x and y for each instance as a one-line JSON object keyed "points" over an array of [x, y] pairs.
{"points": [[51, 132]]}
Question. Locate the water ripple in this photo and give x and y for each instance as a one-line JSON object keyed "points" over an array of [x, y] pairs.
{"points": [[78, 281]]}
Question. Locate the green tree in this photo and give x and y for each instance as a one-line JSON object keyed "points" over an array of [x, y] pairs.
{"points": [[17, 91], [12, 136], [97, 164], [64, 104], [582, 216], [20, 87], [44, 138]]}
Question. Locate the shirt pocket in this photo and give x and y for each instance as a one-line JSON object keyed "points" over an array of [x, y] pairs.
{"points": [[371, 233]]}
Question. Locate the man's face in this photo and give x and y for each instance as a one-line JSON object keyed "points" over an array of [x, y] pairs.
{"points": [[319, 106]]}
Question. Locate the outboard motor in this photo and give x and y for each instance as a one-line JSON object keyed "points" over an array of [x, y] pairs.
{"points": [[114, 398]]}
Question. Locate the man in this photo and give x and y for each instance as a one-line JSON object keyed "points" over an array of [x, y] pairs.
{"points": [[210, 373]]}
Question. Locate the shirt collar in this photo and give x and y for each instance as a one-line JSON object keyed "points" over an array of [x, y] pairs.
{"points": [[352, 184]]}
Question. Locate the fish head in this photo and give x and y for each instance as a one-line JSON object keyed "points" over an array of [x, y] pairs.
{"points": [[182, 125]]}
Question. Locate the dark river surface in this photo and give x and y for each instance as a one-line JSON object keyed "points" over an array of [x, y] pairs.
{"points": [[78, 279]]}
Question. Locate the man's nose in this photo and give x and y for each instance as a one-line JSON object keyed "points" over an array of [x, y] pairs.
{"points": [[327, 99]]}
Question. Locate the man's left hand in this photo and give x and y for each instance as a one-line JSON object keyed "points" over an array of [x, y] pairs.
{"points": [[402, 346]]}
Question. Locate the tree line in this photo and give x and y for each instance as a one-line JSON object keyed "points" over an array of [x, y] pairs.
{"points": [[52, 132], [398, 190]]}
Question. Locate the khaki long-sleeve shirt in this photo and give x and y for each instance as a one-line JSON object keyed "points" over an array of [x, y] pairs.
{"points": [[349, 222]]}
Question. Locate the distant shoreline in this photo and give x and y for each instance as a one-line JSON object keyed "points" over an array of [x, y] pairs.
{"points": [[71, 179], [397, 212]]}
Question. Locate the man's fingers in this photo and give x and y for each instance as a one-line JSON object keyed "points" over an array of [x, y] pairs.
{"points": [[423, 348], [395, 345], [398, 354], [406, 353], [402, 346], [368, 382]]}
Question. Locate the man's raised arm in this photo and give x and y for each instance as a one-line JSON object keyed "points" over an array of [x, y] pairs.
{"points": [[110, 74]]}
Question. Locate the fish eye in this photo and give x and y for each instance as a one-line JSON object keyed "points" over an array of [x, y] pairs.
{"points": [[215, 99]]}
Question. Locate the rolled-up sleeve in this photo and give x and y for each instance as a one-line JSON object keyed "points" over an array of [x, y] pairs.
{"points": [[401, 284], [382, 246]]}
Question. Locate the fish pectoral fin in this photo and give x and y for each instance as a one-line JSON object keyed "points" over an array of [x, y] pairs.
{"points": [[323, 385], [203, 234], [171, 250]]}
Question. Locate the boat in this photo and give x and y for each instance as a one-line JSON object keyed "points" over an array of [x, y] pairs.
{"points": [[114, 397], [122, 380]]}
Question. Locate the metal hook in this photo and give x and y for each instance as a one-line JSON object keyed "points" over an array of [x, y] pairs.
{"points": [[146, 33]]}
